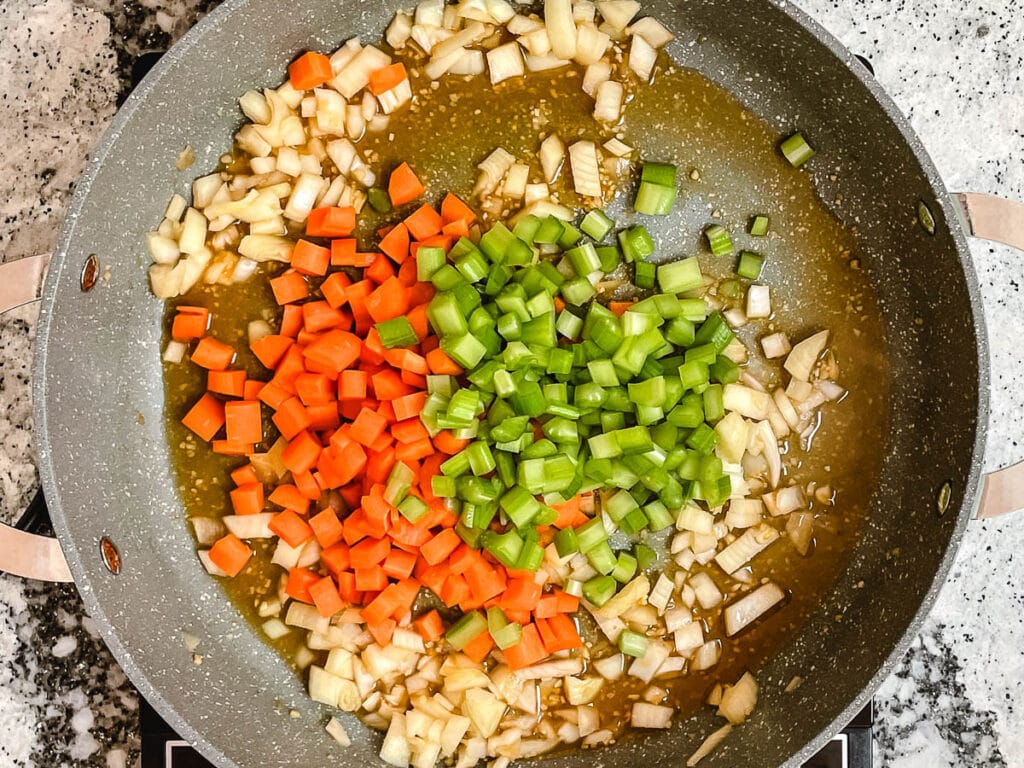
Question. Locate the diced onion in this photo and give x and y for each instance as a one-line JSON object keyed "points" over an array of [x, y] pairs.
{"points": [[751, 543], [303, 198], [642, 58], [652, 31], [544, 63], [537, 42], [516, 178], [610, 667], [618, 148], [250, 526], [492, 171], [744, 513], [356, 74], [708, 593], [175, 351], [746, 401], [552, 153], [207, 529], [800, 529], [338, 732], [208, 564], [790, 499], [595, 74], [398, 31], [749, 608], [591, 44], [646, 715], [504, 62], [706, 656], [802, 359], [618, 13], [586, 175], [689, 637], [708, 745], [608, 102], [275, 629], [775, 345], [561, 27], [266, 248]]}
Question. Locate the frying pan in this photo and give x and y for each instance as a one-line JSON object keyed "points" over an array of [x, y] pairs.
{"points": [[102, 450]]}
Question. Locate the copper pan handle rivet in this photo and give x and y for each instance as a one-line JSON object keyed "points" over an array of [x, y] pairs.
{"points": [[111, 555], [90, 272]]}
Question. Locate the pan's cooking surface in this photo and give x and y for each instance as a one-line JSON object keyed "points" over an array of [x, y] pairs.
{"points": [[731, 169], [122, 486]]}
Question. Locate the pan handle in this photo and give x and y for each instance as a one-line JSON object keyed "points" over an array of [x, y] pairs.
{"points": [[995, 218], [22, 553]]}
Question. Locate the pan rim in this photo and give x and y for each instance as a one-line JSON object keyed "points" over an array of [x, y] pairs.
{"points": [[112, 134]]}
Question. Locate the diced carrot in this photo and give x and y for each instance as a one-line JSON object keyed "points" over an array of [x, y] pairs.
{"points": [[388, 385], [406, 591], [335, 351], [370, 579], [310, 70], [454, 590], [333, 289], [379, 464], [521, 594], [206, 417], [291, 528], [336, 557], [409, 431], [343, 252], [478, 648], [343, 464], [330, 221], [352, 385], [569, 514], [318, 316], [380, 270], [367, 427], [232, 447], [291, 418], [212, 354], [370, 552], [307, 485], [418, 449], [396, 243], [314, 388], [326, 527], [387, 302], [446, 442], [298, 584], [230, 554], [559, 633], [251, 389], [484, 581], [376, 510], [310, 259], [439, 547], [619, 307], [326, 598], [454, 209], [439, 362], [301, 453], [399, 564], [289, 287], [417, 380], [382, 632], [289, 497], [323, 417], [528, 651], [247, 499], [567, 603], [403, 185], [386, 78], [270, 349], [347, 587], [423, 222], [244, 421], [191, 323], [382, 443], [429, 626], [244, 475], [381, 607], [291, 320], [230, 383], [409, 406]]}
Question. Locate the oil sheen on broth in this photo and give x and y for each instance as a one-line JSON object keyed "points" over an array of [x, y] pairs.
{"points": [[729, 169]]}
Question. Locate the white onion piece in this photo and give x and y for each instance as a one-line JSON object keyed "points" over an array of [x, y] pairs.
{"points": [[708, 593], [437, 67], [288, 160], [398, 31], [561, 27], [706, 656], [341, 57], [338, 733], [800, 529], [470, 63], [355, 75], [492, 170], [785, 406], [250, 526], [646, 715], [472, 33], [802, 359], [689, 637], [708, 745], [746, 401], [555, 668], [390, 100], [595, 74], [208, 564], [163, 250], [584, 12], [746, 547], [744, 513], [759, 302], [537, 42], [749, 608], [693, 518], [830, 389], [175, 207], [770, 450], [586, 175], [618, 13], [552, 153], [591, 44], [535, 192], [207, 529], [275, 629], [618, 148], [266, 248], [174, 352], [733, 436], [677, 618], [642, 58], [250, 139], [652, 31], [610, 667], [661, 593], [193, 232], [395, 749], [775, 345], [646, 667], [582, 691], [255, 206], [500, 10], [523, 25], [310, 554], [504, 62], [631, 594], [608, 102], [331, 109], [516, 178], [790, 499], [254, 106], [544, 63], [204, 188]]}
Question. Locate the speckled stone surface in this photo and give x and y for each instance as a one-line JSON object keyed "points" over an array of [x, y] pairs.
{"points": [[952, 66]]}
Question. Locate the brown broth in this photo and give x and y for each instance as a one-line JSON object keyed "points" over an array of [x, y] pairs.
{"points": [[812, 268]]}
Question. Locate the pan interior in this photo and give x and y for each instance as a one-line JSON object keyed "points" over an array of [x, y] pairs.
{"points": [[103, 446]]}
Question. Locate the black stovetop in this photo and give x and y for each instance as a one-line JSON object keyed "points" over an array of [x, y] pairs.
{"points": [[163, 748]]}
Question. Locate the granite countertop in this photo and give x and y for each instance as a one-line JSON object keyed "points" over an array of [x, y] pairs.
{"points": [[953, 66]]}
